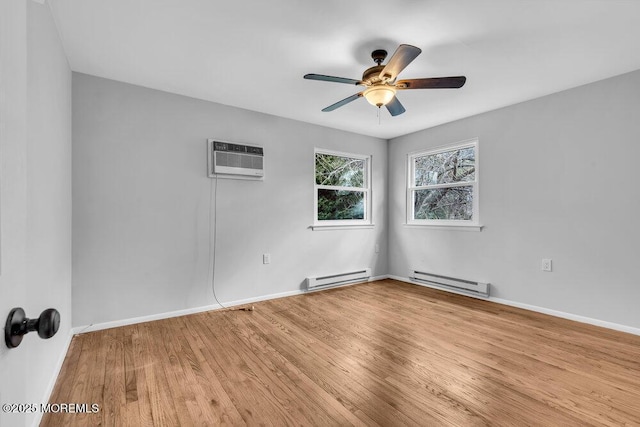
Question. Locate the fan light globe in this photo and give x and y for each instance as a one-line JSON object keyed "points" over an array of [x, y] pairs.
{"points": [[379, 95]]}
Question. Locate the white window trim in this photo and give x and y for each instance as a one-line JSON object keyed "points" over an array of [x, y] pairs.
{"points": [[367, 222], [470, 225]]}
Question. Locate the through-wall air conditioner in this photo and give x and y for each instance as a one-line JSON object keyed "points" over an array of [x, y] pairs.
{"points": [[229, 159]]}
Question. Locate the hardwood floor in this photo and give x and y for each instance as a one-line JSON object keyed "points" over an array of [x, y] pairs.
{"points": [[386, 353]]}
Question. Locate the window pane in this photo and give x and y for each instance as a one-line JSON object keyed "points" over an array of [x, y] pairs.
{"points": [[339, 171], [335, 204], [443, 203], [447, 167]]}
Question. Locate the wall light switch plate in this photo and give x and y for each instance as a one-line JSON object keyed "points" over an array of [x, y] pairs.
{"points": [[266, 258]]}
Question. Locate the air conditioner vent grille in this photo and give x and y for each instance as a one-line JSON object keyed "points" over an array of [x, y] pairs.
{"points": [[234, 160]]}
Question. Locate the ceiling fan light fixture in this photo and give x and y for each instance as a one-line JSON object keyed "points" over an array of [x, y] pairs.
{"points": [[379, 95], [381, 84]]}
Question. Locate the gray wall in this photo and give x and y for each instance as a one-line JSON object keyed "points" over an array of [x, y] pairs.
{"points": [[559, 180], [142, 204], [35, 197]]}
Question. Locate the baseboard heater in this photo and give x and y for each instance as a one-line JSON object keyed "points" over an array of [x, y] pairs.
{"points": [[338, 279], [450, 283]]}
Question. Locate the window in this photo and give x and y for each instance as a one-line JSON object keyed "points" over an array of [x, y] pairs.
{"points": [[443, 186], [342, 189]]}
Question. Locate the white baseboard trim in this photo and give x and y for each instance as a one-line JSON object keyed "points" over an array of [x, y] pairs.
{"points": [[54, 377], [141, 319], [569, 316], [166, 315], [177, 313], [265, 298], [556, 313]]}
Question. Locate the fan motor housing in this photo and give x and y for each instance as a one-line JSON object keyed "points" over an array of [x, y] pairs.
{"points": [[372, 74]]}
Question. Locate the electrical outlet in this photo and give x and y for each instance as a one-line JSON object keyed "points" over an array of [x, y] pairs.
{"points": [[377, 248], [266, 258], [546, 265]]}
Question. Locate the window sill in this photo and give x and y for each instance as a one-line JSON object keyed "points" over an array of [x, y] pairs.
{"points": [[341, 227], [448, 227]]}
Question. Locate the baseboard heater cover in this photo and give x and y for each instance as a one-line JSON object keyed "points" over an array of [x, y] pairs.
{"points": [[451, 283], [338, 279]]}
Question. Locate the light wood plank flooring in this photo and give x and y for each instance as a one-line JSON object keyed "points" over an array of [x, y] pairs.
{"points": [[383, 353]]}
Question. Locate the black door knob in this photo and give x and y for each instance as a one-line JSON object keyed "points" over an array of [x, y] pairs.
{"points": [[47, 324]]}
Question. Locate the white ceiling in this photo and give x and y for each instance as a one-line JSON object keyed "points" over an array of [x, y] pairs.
{"points": [[253, 53]]}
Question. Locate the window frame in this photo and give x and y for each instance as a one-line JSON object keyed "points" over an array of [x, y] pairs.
{"points": [[367, 221], [474, 222]]}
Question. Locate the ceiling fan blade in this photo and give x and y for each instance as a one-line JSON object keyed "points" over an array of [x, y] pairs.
{"points": [[343, 102], [324, 78], [432, 83], [402, 57], [395, 107]]}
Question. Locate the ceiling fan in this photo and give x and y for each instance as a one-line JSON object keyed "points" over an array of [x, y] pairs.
{"points": [[381, 84]]}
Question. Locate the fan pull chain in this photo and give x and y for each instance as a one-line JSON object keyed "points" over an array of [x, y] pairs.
{"points": [[378, 116]]}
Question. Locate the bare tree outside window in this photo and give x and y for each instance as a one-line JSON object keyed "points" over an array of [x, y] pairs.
{"points": [[341, 187], [443, 185]]}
